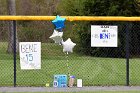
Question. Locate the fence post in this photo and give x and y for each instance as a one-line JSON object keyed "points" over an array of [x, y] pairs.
{"points": [[127, 53], [14, 42]]}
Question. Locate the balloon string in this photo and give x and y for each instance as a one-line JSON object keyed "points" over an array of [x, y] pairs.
{"points": [[68, 64]]}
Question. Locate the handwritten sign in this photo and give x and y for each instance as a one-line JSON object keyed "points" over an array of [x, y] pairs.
{"points": [[30, 55], [104, 36]]}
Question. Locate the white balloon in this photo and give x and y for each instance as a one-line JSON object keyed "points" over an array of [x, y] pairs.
{"points": [[68, 46], [57, 36]]}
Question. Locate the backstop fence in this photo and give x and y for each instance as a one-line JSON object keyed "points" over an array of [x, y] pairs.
{"points": [[96, 66]]}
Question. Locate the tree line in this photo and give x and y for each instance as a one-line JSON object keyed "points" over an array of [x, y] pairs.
{"points": [[79, 32], [105, 8], [26, 30]]}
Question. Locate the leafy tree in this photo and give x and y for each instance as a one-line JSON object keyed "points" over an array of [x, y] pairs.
{"points": [[27, 30], [100, 8]]}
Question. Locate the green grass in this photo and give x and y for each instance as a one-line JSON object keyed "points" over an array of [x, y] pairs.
{"points": [[92, 70]]}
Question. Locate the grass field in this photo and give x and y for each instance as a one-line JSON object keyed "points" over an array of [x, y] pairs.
{"points": [[92, 70]]}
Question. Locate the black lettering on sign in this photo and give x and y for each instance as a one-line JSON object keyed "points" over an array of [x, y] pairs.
{"points": [[28, 48], [104, 26]]}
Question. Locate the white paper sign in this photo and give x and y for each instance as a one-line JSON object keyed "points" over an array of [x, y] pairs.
{"points": [[30, 55], [104, 36]]}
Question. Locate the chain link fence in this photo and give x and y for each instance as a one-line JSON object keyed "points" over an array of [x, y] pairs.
{"points": [[99, 67]]}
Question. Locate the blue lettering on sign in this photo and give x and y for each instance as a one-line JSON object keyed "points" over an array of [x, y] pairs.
{"points": [[29, 57], [104, 35]]}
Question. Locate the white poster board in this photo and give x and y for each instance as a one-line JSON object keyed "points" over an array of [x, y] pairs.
{"points": [[30, 55], [104, 36]]}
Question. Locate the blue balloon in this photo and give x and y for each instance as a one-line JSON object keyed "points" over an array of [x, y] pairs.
{"points": [[59, 22]]}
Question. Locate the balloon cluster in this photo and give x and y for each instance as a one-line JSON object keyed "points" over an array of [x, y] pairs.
{"points": [[68, 45]]}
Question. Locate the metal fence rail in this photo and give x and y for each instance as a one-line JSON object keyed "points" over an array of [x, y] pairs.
{"points": [[73, 18]]}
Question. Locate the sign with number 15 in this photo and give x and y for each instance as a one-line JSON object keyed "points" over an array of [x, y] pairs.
{"points": [[30, 55]]}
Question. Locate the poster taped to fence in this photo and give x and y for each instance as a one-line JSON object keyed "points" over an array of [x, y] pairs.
{"points": [[30, 55], [104, 36]]}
